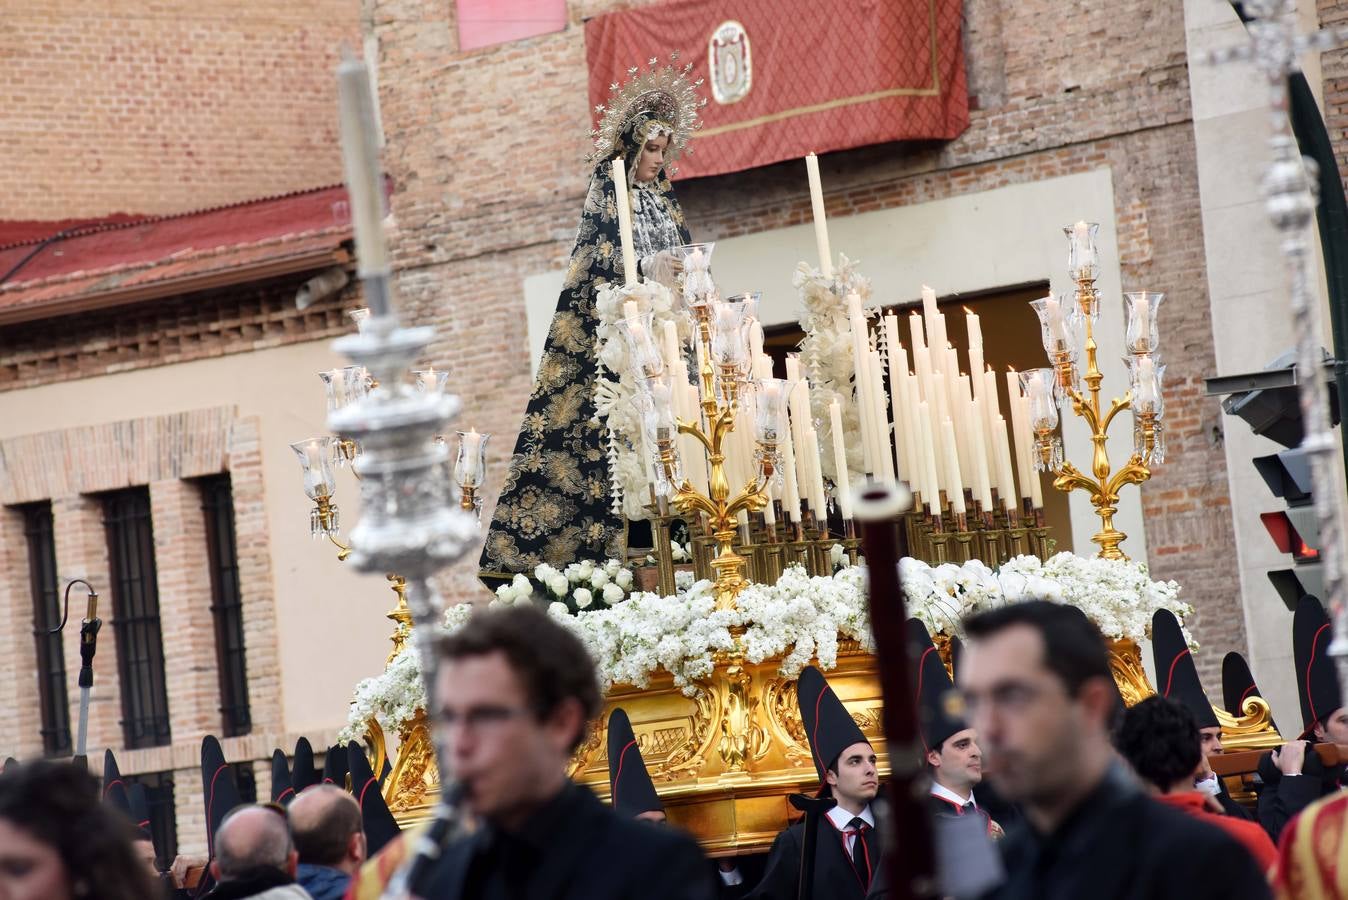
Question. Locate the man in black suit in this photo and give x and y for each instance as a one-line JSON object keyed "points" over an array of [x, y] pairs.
{"points": [[1037, 688], [514, 692], [954, 760], [847, 850]]}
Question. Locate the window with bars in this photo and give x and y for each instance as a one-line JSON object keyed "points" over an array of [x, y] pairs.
{"points": [[135, 617], [217, 501], [51, 665]]}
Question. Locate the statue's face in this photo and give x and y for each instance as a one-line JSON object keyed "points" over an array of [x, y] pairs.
{"points": [[651, 159]]}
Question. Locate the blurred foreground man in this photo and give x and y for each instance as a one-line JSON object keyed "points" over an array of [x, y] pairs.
{"points": [[1038, 691], [513, 695]]}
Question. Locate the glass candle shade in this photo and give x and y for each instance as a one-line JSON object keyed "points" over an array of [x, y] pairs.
{"points": [[660, 427], [729, 336], [638, 334], [1082, 259], [470, 463], [695, 279], [334, 386], [1059, 326], [1142, 334], [430, 380], [360, 317], [315, 455], [770, 397], [1144, 375], [1041, 388], [748, 302]]}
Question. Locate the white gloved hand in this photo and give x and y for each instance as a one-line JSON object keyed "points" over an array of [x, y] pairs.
{"points": [[663, 267]]}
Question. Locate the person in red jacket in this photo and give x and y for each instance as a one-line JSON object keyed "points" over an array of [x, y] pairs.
{"points": [[1160, 739]]}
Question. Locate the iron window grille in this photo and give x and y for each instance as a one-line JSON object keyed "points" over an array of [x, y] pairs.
{"points": [[135, 620], [53, 697], [217, 501]]}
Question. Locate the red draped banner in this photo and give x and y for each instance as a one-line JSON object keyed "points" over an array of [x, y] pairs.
{"points": [[783, 78]]}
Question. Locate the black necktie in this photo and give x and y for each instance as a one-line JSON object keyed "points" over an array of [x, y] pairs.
{"points": [[860, 851], [968, 808]]}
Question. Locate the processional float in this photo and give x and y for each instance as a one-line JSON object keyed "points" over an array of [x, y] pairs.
{"points": [[747, 480]]}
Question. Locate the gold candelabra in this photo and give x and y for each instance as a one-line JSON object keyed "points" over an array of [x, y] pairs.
{"points": [[1103, 483], [720, 508]]}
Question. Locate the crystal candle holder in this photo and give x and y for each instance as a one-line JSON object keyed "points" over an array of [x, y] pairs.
{"points": [[1041, 388], [638, 333], [1142, 334], [695, 279], [315, 455], [429, 380], [1082, 257], [470, 462], [660, 427], [729, 339], [360, 317], [748, 302]]}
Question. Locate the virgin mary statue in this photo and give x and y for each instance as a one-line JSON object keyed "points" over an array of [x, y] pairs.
{"points": [[555, 506]]}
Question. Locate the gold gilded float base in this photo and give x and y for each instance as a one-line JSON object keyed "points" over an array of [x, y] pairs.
{"points": [[726, 754]]}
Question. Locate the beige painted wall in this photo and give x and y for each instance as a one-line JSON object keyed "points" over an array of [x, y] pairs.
{"points": [[332, 630]]}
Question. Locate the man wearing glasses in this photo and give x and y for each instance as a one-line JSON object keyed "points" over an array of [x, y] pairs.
{"points": [[514, 694], [1038, 690]]}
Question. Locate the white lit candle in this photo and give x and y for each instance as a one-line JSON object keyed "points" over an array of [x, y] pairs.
{"points": [[818, 499], [898, 369], [1006, 485], [624, 202], [669, 343], [982, 472], [364, 178], [975, 332], [1085, 251], [1146, 382], [861, 367], [931, 477], [955, 490], [820, 224], [884, 446], [840, 476], [790, 487]]}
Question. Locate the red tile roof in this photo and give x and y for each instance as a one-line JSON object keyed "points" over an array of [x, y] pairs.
{"points": [[126, 259]]}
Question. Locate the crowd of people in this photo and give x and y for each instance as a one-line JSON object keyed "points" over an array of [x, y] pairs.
{"points": [[1082, 797]]}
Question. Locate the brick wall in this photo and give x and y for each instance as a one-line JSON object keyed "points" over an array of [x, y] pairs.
{"points": [[206, 324], [167, 106], [1334, 79], [486, 150], [164, 452]]}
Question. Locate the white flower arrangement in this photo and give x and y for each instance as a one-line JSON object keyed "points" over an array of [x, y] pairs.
{"points": [[799, 619], [1118, 596], [616, 400], [826, 353], [577, 586]]}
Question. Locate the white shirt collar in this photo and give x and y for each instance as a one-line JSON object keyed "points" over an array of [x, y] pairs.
{"points": [[945, 793], [841, 818]]}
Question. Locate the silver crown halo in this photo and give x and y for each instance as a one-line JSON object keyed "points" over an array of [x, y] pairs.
{"points": [[666, 93]]}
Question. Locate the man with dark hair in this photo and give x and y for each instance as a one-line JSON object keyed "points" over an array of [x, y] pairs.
{"points": [[514, 693], [1161, 740], [326, 824], [847, 854], [1038, 691]]}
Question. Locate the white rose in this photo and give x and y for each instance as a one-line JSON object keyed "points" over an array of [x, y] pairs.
{"points": [[559, 585], [612, 566], [612, 593], [623, 579], [598, 579], [583, 597], [522, 586], [506, 592], [544, 572], [586, 569]]}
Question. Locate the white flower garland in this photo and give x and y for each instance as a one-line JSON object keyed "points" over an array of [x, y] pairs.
{"points": [[615, 401], [800, 618], [826, 353]]}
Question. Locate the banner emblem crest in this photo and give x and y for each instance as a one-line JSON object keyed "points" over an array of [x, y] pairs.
{"points": [[729, 62]]}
